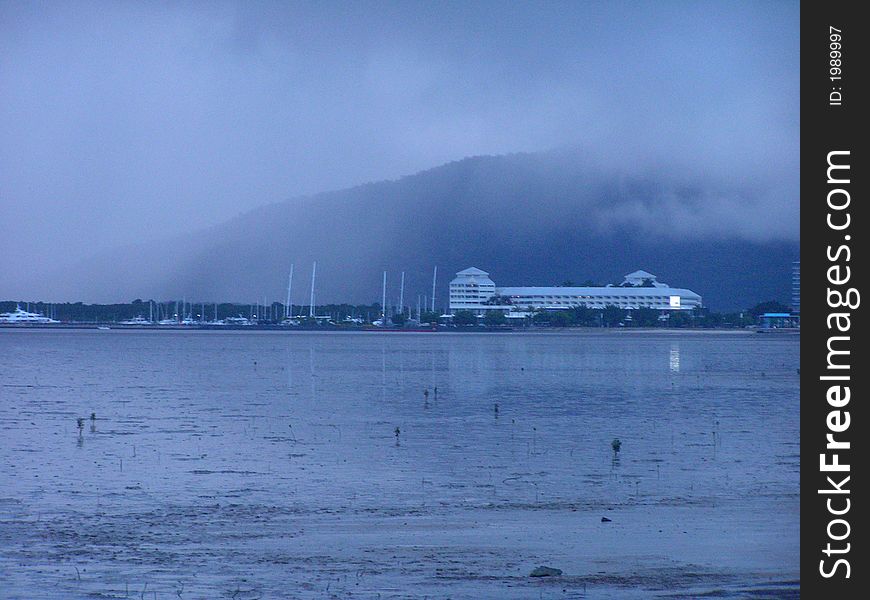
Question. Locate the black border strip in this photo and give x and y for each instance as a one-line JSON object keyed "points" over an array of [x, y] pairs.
{"points": [[831, 112]]}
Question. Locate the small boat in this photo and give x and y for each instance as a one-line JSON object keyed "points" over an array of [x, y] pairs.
{"points": [[240, 320], [137, 320]]}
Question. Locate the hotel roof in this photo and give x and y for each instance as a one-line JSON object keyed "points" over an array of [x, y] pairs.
{"points": [[596, 291], [472, 271], [640, 274]]}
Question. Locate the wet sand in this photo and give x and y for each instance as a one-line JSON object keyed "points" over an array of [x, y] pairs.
{"points": [[267, 466]]}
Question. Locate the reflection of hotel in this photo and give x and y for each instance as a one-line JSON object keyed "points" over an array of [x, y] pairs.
{"points": [[473, 290]]}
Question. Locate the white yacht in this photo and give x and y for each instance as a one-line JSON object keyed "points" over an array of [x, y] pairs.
{"points": [[240, 320], [137, 320], [23, 317]]}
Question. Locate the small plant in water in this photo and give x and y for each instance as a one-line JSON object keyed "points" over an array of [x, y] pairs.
{"points": [[616, 445], [80, 423]]}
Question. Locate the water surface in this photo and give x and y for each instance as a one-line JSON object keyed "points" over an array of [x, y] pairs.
{"points": [[267, 464]]}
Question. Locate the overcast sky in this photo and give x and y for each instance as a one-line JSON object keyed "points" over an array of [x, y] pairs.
{"points": [[123, 122]]}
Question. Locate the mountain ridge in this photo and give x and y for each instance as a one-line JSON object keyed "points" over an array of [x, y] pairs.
{"points": [[527, 218]]}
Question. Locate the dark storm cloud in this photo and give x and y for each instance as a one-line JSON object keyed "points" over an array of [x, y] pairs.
{"points": [[123, 122]]}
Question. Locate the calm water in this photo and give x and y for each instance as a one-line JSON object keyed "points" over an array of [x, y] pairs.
{"points": [[264, 465]]}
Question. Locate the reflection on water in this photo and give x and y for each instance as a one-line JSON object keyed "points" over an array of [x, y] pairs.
{"points": [[208, 438], [562, 394]]}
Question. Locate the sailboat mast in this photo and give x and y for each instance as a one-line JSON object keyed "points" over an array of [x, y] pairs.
{"points": [[287, 310], [434, 278], [311, 304], [384, 302], [402, 295]]}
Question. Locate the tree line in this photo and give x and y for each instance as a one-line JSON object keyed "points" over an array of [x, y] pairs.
{"points": [[613, 316], [578, 316]]}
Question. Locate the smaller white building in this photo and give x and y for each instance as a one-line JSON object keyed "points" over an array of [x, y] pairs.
{"points": [[473, 290]]}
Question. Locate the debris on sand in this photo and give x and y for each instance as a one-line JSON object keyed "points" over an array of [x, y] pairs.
{"points": [[543, 571]]}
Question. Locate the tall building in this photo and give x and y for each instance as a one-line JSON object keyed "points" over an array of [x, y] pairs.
{"points": [[796, 286], [473, 290]]}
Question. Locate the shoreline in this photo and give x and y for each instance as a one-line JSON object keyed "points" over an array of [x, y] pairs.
{"points": [[442, 330], [269, 463]]}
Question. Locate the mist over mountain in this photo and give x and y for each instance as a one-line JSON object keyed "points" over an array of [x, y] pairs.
{"points": [[528, 219]]}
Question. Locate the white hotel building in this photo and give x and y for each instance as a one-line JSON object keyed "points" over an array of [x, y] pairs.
{"points": [[474, 291]]}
